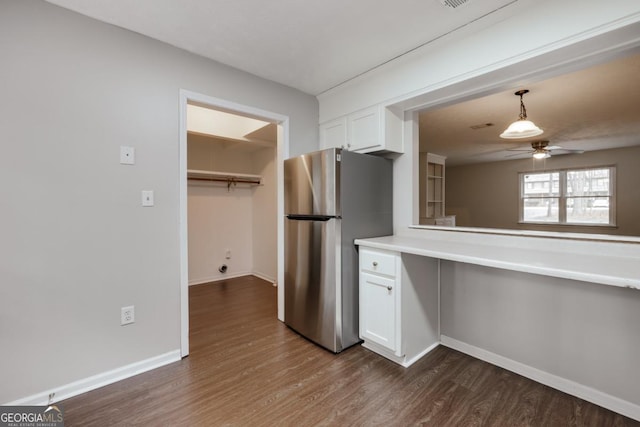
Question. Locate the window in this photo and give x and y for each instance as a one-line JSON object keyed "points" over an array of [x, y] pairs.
{"points": [[572, 196]]}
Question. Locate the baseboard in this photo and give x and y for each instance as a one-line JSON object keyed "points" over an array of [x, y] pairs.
{"points": [[218, 277], [400, 360], [265, 277], [100, 380], [418, 356], [589, 394], [381, 351]]}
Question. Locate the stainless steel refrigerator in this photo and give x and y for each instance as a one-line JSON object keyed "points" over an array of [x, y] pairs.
{"points": [[331, 198]]}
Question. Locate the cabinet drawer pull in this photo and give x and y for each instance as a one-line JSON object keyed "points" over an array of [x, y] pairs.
{"points": [[375, 263], [389, 288]]}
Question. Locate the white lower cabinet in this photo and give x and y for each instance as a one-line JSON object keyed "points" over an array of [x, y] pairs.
{"points": [[398, 304], [379, 311]]}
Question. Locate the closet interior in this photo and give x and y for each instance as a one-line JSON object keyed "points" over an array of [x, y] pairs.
{"points": [[231, 196]]}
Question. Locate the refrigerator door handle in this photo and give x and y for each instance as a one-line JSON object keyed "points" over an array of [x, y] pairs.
{"points": [[310, 217]]}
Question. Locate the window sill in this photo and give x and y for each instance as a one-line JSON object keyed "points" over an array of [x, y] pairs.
{"points": [[557, 224]]}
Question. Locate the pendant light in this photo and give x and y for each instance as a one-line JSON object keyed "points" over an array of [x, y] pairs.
{"points": [[521, 128]]}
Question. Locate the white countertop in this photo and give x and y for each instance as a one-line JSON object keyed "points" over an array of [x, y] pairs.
{"points": [[608, 264]]}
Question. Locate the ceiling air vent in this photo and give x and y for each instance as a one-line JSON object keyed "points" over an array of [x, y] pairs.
{"points": [[454, 3]]}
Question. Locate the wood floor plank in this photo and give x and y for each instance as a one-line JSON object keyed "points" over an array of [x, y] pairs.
{"points": [[248, 369]]}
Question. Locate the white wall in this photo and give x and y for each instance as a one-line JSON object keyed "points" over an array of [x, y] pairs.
{"points": [[583, 332], [76, 244], [219, 220], [519, 32], [264, 212]]}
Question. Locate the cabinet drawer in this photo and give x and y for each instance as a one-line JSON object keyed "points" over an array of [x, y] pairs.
{"points": [[378, 262]]}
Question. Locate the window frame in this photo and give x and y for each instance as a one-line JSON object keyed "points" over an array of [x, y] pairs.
{"points": [[563, 196]]}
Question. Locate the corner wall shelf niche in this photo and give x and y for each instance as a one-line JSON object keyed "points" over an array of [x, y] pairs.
{"points": [[232, 179]]}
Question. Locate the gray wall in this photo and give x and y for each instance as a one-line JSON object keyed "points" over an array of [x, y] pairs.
{"points": [[486, 194], [76, 245], [579, 331]]}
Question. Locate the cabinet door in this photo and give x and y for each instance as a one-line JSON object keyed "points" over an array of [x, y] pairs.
{"points": [[364, 130], [379, 311], [333, 134]]}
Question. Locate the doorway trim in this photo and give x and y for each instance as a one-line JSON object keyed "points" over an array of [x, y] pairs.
{"points": [[282, 152]]}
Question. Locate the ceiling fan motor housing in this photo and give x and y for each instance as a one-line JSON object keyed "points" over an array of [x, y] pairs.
{"points": [[539, 145]]}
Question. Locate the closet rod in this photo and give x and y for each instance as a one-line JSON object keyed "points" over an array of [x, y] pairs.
{"points": [[222, 179]]}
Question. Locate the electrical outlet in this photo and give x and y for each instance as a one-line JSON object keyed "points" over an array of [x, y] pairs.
{"points": [[127, 315]]}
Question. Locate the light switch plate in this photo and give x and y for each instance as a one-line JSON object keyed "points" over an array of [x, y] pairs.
{"points": [[147, 197], [127, 155]]}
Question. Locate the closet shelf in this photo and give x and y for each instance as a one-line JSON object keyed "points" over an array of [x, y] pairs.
{"points": [[229, 178]]}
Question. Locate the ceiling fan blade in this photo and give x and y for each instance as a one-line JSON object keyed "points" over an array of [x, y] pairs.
{"points": [[564, 151], [554, 147], [521, 153], [527, 150]]}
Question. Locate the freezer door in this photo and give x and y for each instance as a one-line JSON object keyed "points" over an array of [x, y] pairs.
{"points": [[311, 284], [311, 184]]}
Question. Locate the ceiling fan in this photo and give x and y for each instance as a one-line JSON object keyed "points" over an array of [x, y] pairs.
{"points": [[542, 150]]}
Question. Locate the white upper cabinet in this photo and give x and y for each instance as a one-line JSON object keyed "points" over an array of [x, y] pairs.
{"points": [[369, 130], [364, 130], [333, 134]]}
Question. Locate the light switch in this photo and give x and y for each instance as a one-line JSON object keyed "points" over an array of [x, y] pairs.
{"points": [[147, 197], [127, 155]]}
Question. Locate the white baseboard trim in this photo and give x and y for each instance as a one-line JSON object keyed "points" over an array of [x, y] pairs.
{"points": [[218, 277], [400, 360], [100, 380], [265, 277], [383, 352], [589, 394], [418, 356]]}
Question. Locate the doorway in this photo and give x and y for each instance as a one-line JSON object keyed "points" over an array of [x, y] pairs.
{"points": [[189, 100]]}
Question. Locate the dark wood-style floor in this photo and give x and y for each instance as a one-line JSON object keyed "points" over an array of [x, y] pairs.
{"points": [[248, 369]]}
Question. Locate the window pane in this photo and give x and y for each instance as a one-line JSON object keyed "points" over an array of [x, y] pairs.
{"points": [[542, 184], [541, 210], [588, 182], [588, 210]]}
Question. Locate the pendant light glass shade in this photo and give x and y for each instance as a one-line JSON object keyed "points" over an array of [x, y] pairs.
{"points": [[521, 128]]}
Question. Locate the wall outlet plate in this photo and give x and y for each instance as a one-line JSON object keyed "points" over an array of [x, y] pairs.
{"points": [[147, 198], [127, 155], [127, 315]]}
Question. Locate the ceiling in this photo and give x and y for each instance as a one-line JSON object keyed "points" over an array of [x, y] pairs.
{"points": [[592, 109], [310, 46], [315, 46]]}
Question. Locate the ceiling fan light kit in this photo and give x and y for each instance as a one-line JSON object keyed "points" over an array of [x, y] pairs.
{"points": [[541, 154], [521, 128], [542, 150]]}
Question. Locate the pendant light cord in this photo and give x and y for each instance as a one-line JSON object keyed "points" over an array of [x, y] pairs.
{"points": [[523, 110]]}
